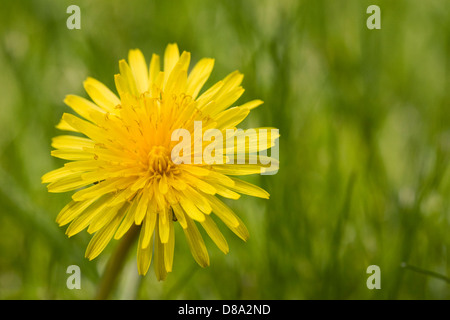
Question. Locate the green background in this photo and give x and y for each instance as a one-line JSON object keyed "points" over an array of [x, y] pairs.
{"points": [[365, 142]]}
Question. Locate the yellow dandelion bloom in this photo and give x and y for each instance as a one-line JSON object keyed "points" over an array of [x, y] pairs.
{"points": [[123, 169]]}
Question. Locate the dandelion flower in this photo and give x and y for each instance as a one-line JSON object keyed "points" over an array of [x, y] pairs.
{"points": [[122, 169]]}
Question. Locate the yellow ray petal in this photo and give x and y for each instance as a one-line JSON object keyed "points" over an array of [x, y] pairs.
{"points": [[159, 264], [179, 214], [230, 118], [84, 165], [249, 189], [169, 248], [163, 185], [60, 173], [154, 69], [215, 234], [252, 104], [195, 170], [225, 192], [128, 220], [176, 82], [82, 106], [71, 142], [238, 169], [69, 183], [85, 127], [64, 126], [196, 198], [171, 56], [222, 211], [196, 243], [164, 227], [103, 187], [148, 228], [144, 255], [101, 238], [191, 209], [198, 76], [224, 101], [128, 79], [84, 219], [241, 230], [101, 95], [72, 210], [72, 154], [200, 184], [107, 215], [139, 69], [141, 209]]}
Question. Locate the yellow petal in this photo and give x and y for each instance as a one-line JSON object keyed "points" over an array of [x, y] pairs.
{"points": [[224, 101], [163, 186], [154, 69], [216, 177], [230, 118], [128, 220], [225, 192], [200, 184], [249, 189], [198, 76], [196, 243], [72, 154], [103, 187], [179, 214], [106, 216], [190, 208], [60, 173], [129, 81], [71, 142], [252, 104], [176, 82], [101, 239], [241, 230], [171, 56], [85, 127], [238, 169], [164, 228], [229, 85], [169, 248], [233, 222], [82, 106], [222, 211], [160, 267], [84, 219], [148, 228], [199, 201], [215, 234], [139, 69], [69, 183], [141, 209], [64, 126], [122, 87], [209, 95], [144, 255], [72, 210], [101, 95], [195, 170]]}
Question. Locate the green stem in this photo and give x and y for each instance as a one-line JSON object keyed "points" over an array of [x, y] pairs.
{"points": [[425, 272], [115, 264]]}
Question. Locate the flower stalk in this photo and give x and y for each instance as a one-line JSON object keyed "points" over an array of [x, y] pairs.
{"points": [[115, 264]]}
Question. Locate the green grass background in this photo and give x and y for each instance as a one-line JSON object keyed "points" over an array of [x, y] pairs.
{"points": [[364, 120]]}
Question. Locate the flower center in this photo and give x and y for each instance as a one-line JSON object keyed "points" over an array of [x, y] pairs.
{"points": [[159, 160]]}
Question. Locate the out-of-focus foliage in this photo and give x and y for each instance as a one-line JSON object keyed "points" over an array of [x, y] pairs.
{"points": [[364, 118]]}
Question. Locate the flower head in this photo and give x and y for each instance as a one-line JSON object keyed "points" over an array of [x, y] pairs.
{"points": [[126, 171]]}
